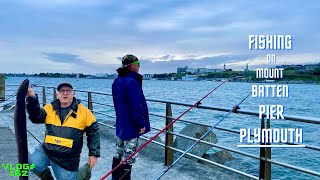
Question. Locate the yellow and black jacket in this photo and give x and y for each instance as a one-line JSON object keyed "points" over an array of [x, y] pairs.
{"points": [[63, 142]]}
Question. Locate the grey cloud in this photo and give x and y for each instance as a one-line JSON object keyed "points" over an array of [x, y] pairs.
{"points": [[64, 58], [79, 64]]}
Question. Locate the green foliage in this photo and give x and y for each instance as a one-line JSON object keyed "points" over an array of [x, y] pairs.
{"points": [[289, 75], [289, 72], [317, 72], [53, 75]]}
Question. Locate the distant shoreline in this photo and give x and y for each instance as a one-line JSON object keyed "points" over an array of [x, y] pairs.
{"points": [[276, 82], [165, 79]]}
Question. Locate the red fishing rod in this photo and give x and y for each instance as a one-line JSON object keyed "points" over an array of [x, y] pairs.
{"points": [[152, 138]]}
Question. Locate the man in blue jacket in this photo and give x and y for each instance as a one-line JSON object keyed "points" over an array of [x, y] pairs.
{"points": [[132, 116]]}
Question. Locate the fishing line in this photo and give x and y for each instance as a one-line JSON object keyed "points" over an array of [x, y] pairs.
{"points": [[33, 136]]}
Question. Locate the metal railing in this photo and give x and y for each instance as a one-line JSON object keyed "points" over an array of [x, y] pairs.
{"points": [[265, 153]]}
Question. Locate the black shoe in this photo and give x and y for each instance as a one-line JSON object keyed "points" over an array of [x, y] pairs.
{"points": [[125, 172], [45, 175], [115, 173]]}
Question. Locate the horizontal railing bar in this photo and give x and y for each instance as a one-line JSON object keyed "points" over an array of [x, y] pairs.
{"points": [[317, 148], [12, 85], [102, 104], [97, 103], [83, 100], [308, 171], [106, 125], [157, 115], [104, 114], [94, 92]]}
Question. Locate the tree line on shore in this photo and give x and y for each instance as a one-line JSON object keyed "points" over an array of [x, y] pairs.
{"points": [[289, 75]]}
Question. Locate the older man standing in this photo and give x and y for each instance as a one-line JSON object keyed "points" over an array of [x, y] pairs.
{"points": [[66, 121]]}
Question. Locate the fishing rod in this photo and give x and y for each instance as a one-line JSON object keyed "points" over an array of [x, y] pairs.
{"points": [[34, 137], [152, 138]]}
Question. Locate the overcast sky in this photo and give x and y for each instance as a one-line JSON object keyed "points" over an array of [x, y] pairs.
{"points": [[91, 36]]}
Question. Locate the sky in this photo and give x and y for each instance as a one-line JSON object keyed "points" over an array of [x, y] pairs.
{"points": [[90, 37]]}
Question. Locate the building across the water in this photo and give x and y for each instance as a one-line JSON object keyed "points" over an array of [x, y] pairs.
{"points": [[186, 70], [189, 78], [298, 67]]}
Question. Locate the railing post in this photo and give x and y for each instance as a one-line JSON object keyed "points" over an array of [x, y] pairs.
{"points": [[262, 152], [2, 88], [267, 171], [44, 98], [90, 106], [54, 94], [169, 137], [265, 153]]}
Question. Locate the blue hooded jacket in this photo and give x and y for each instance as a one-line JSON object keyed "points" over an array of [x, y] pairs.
{"points": [[130, 105]]}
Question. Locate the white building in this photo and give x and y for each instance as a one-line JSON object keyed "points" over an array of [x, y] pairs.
{"points": [[191, 70], [147, 76], [184, 70], [189, 78]]}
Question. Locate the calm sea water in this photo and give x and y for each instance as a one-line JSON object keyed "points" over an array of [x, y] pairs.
{"points": [[303, 101]]}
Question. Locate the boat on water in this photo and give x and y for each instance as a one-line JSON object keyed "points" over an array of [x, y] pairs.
{"points": [[78, 77]]}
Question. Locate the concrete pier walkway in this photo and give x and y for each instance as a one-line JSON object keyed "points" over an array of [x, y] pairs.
{"points": [[7, 149]]}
